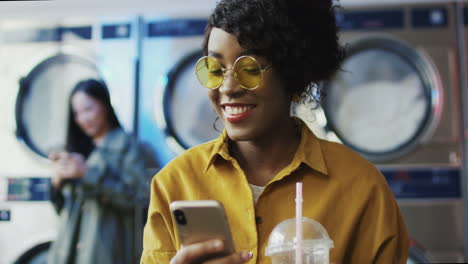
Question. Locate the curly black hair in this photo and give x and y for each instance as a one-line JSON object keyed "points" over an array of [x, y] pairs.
{"points": [[299, 37]]}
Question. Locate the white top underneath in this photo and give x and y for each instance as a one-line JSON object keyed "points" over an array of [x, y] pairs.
{"points": [[256, 191]]}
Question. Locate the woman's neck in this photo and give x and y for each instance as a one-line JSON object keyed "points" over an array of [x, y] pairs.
{"points": [[262, 159], [99, 138]]}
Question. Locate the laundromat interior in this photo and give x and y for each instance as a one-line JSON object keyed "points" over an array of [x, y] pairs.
{"points": [[401, 101]]}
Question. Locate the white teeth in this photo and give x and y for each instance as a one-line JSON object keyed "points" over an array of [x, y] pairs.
{"points": [[236, 110]]}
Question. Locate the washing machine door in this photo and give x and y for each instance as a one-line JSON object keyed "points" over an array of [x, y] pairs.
{"points": [[42, 101], [189, 119], [385, 100]]}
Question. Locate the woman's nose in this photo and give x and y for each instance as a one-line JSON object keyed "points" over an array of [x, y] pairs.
{"points": [[82, 118], [230, 84]]}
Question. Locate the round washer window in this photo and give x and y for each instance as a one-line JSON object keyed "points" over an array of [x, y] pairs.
{"points": [[381, 102], [188, 112], [42, 102]]}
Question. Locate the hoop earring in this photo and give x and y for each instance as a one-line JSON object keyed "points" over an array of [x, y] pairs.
{"points": [[214, 124]]}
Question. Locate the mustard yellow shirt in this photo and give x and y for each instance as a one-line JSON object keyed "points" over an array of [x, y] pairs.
{"points": [[341, 190]]}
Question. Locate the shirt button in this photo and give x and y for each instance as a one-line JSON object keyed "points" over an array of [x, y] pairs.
{"points": [[258, 220]]}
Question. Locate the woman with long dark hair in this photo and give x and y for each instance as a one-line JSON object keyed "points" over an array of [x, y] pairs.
{"points": [[260, 57], [98, 181]]}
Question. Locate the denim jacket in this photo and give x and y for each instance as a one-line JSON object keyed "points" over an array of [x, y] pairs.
{"points": [[97, 213]]}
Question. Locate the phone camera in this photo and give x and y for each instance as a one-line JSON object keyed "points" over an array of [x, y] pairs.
{"points": [[180, 217]]}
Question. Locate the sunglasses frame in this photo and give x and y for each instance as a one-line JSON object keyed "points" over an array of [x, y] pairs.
{"points": [[232, 68]]}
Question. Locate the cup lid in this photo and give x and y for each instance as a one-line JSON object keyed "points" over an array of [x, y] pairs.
{"points": [[283, 237]]}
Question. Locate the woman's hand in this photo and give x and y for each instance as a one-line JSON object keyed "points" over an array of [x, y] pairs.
{"points": [[194, 254], [67, 166]]}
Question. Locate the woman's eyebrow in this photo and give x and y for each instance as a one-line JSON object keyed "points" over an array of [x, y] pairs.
{"points": [[220, 56], [215, 54]]}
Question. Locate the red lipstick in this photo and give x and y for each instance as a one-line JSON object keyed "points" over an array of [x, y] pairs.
{"points": [[235, 113]]}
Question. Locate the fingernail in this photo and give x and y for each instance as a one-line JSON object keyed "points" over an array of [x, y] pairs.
{"points": [[246, 255], [217, 244]]}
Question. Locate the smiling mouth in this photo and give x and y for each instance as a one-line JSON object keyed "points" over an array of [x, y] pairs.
{"points": [[237, 113]]}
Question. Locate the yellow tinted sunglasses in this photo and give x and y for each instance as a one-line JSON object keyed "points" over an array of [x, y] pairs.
{"points": [[247, 71]]}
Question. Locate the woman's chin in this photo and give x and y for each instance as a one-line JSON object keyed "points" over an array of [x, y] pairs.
{"points": [[90, 133], [239, 134]]}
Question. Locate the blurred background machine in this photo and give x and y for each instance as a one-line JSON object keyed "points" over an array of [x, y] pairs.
{"points": [[175, 113], [463, 31], [395, 101], [41, 62]]}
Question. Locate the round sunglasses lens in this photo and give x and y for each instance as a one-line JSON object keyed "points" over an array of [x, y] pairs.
{"points": [[209, 72], [248, 72]]}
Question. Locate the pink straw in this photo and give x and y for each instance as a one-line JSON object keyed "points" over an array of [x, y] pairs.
{"points": [[299, 223]]}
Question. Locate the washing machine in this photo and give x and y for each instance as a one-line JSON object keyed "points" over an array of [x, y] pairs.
{"points": [[395, 101], [463, 12], [175, 113], [41, 62]]}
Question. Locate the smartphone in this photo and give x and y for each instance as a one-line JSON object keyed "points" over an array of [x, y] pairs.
{"points": [[201, 220]]}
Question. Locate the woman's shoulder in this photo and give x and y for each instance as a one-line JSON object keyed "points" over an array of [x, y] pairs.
{"points": [[194, 159], [342, 160], [118, 142], [116, 138], [334, 150]]}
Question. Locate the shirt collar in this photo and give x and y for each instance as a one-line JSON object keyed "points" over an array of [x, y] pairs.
{"points": [[309, 151], [221, 148]]}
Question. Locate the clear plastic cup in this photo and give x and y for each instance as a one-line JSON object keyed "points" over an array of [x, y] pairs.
{"points": [[316, 243]]}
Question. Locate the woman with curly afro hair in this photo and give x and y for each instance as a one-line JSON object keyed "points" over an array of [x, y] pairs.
{"points": [[260, 57]]}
